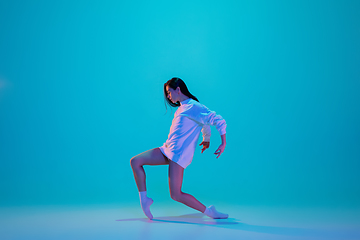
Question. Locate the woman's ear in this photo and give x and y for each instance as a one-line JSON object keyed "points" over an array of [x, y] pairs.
{"points": [[178, 90]]}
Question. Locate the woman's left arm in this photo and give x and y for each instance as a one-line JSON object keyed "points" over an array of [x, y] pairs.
{"points": [[205, 116], [222, 146], [219, 122], [211, 118]]}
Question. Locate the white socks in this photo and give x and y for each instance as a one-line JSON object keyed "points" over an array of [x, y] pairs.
{"points": [[211, 212], [145, 204]]}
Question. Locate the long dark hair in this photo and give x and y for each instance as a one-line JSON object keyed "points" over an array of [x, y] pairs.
{"points": [[174, 83]]}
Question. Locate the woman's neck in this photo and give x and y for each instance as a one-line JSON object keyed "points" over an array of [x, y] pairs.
{"points": [[183, 98]]}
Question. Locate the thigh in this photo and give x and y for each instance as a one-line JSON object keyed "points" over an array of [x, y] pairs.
{"points": [[176, 173], [151, 157]]}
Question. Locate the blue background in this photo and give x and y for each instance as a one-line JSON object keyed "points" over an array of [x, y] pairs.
{"points": [[81, 92]]}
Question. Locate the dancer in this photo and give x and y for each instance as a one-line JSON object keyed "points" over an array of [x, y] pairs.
{"points": [[190, 118]]}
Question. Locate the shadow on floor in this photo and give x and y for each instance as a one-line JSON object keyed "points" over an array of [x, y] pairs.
{"points": [[196, 218], [232, 223]]}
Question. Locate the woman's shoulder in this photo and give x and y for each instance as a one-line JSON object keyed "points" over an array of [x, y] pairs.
{"points": [[194, 105]]}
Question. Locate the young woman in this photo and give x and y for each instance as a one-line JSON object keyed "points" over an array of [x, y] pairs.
{"points": [[190, 118]]}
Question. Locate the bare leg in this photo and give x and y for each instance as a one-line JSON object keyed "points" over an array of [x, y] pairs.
{"points": [[150, 157], [176, 173]]}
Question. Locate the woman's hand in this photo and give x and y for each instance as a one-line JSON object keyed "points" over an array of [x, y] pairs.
{"points": [[220, 150], [205, 146]]}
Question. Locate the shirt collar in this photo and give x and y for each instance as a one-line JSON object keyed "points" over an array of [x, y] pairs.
{"points": [[185, 101]]}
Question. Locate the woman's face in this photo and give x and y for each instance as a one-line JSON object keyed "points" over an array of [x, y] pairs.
{"points": [[172, 94]]}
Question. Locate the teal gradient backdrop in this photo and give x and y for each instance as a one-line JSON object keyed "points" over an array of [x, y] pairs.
{"points": [[81, 93]]}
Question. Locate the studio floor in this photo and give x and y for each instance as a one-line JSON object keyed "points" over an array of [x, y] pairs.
{"points": [[174, 221]]}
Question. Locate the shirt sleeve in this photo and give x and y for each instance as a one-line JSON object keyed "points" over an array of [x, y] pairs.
{"points": [[203, 115], [206, 133]]}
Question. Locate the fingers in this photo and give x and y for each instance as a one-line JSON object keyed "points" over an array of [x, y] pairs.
{"points": [[205, 146], [218, 152], [203, 149]]}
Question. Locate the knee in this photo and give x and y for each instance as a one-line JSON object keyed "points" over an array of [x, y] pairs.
{"points": [[175, 196], [135, 162]]}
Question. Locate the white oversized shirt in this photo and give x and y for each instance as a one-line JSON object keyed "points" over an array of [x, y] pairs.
{"points": [[190, 118]]}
